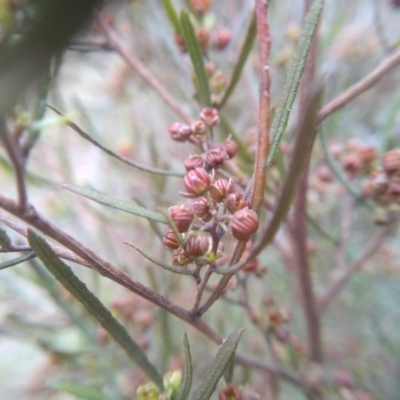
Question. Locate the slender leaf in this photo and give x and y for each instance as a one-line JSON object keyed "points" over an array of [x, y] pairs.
{"points": [[93, 305], [78, 318], [18, 260], [228, 374], [172, 15], [159, 263], [188, 371], [214, 373], [293, 79], [91, 139], [244, 53], [196, 55], [107, 200], [5, 241], [82, 392]]}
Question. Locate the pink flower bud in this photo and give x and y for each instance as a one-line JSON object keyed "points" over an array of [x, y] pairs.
{"points": [[197, 181], [235, 202], [221, 38], [194, 161], [200, 207], [231, 147], [243, 224], [199, 129], [215, 157], [220, 189], [182, 216], [170, 240], [180, 132], [209, 116], [197, 246]]}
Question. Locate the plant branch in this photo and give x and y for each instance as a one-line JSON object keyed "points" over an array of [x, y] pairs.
{"points": [[18, 162], [116, 44], [298, 226], [343, 275], [386, 65], [260, 166]]}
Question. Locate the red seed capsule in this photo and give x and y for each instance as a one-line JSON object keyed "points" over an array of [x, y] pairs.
{"points": [[244, 223], [209, 116], [220, 189], [196, 181], [235, 202], [182, 216], [197, 246], [194, 161], [170, 240], [391, 161]]}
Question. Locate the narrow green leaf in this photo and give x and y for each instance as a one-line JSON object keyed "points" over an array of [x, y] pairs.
{"points": [[93, 305], [5, 241], [188, 371], [196, 55], [82, 392], [214, 373], [228, 374], [18, 260], [172, 15], [107, 200], [91, 139], [159, 263], [294, 75], [244, 53]]}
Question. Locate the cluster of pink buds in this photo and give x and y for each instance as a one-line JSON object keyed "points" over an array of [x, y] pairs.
{"points": [[217, 206]]}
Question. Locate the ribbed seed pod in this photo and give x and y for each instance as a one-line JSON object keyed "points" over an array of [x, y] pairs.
{"points": [[197, 246], [235, 202], [243, 224], [182, 216], [391, 162], [197, 181], [170, 240], [209, 116], [220, 189], [194, 161]]}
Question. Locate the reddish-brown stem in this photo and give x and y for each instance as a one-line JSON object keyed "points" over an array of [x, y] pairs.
{"points": [[116, 44], [260, 165], [386, 65], [299, 219]]}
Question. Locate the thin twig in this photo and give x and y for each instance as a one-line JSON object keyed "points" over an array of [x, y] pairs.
{"points": [[343, 275], [200, 290], [386, 65], [117, 45], [18, 162], [22, 230]]}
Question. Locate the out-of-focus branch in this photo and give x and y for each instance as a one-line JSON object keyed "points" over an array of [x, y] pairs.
{"points": [[298, 227], [18, 162], [21, 229], [116, 44], [343, 275], [386, 65]]}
